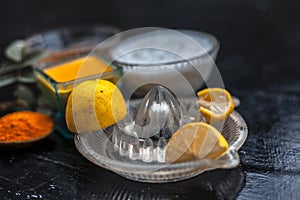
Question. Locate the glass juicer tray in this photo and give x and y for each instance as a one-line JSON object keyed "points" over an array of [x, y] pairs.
{"points": [[135, 148]]}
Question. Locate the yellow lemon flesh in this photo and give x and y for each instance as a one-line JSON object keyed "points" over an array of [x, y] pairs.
{"points": [[215, 104], [195, 141], [94, 105]]}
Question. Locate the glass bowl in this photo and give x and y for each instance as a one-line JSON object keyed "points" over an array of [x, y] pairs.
{"points": [[100, 148], [18, 76], [64, 45], [57, 92], [75, 39], [58, 46], [167, 57]]}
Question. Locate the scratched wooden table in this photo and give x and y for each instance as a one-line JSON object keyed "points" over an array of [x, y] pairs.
{"points": [[259, 62]]}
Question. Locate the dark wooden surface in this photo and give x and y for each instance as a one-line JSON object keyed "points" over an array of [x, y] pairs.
{"points": [[259, 62]]}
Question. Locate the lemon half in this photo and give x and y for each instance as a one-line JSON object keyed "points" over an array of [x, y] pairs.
{"points": [[215, 104], [94, 105], [195, 141]]}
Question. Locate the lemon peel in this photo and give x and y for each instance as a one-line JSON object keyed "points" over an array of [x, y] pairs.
{"points": [[94, 105]]}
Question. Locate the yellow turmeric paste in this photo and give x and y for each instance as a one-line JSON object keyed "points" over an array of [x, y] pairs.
{"points": [[79, 68], [66, 72]]}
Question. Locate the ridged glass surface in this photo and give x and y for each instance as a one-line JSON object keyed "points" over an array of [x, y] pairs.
{"points": [[149, 125], [142, 159]]}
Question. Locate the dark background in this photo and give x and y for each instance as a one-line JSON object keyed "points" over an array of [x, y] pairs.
{"points": [[259, 62], [254, 34]]}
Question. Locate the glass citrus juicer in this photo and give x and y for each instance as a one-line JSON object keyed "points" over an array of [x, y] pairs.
{"points": [[138, 145]]}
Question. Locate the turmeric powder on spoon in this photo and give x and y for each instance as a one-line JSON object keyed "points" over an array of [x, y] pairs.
{"points": [[24, 126]]}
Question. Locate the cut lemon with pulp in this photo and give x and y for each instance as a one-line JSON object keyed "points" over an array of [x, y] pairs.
{"points": [[195, 141], [215, 104]]}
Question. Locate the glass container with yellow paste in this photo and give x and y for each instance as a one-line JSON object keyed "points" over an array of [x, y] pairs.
{"points": [[57, 77]]}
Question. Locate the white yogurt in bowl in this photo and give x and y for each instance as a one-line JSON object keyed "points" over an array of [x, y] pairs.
{"points": [[181, 60]]}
